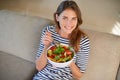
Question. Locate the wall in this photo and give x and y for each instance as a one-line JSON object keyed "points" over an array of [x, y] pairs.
{"points": [[99, 15]]}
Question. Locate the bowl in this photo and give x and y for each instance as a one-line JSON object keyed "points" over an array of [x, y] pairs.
{"points": [[60, 55]]}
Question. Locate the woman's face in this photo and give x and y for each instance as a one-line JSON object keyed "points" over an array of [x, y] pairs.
{"points": [[67, 21]]}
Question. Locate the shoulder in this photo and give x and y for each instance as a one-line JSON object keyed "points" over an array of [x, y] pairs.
{"points": [[85, 40], [49, 28]]}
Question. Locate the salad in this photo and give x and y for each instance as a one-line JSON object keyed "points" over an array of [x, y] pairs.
{"points": [[60, 53]]}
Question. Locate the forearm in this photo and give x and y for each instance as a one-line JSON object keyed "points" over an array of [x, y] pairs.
{"points": [[75, 71], [41, 61]]}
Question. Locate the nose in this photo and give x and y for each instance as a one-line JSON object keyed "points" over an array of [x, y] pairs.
{"points": [[69, 22]]}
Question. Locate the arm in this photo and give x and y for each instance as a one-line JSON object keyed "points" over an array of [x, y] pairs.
{"points": [[79, 67], [75, 71], [42, 59]]}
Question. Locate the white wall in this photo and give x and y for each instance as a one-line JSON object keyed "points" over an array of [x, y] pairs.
{"points": [[99, 15]]}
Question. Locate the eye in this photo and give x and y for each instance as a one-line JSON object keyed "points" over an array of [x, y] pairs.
{"points": [[74, 19], [65, 18]]}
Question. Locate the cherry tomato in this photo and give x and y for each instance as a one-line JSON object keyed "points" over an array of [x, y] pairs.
{"points": [[53, 48], [68, 52]]}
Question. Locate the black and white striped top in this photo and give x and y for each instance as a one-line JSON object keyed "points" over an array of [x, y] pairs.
{"points": [[80, 59]]}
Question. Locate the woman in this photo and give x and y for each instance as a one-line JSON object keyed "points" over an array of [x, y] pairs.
{"points": [[67, 19]]}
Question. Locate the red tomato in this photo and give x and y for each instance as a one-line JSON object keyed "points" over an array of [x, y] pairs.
{"points": [[65, 47], [68, 52], [53, 48], [62, 56], [52, 56]]}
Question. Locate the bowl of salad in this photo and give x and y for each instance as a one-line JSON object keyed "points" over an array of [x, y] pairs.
{"points": [[60, 55]]}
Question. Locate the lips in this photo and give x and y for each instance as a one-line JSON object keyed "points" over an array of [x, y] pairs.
{"points": [[68, 28]]}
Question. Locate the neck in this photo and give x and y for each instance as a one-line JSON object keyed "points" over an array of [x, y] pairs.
{"points": [[63, 34]]}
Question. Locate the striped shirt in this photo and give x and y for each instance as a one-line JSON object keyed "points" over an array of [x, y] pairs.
{"points": [[80, 59]]}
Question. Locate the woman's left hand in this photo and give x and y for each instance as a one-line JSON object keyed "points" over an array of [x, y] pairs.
{"points": [[75, 71]]}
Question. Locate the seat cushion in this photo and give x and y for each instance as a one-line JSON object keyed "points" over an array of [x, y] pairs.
{"points": [[15, 68]]}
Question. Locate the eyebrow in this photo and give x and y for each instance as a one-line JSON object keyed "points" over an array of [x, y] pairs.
{"points": [[66, 17], [74, 17]]}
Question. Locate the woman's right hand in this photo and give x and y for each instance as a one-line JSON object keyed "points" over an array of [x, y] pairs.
{"points": [[47, 39], [42, 60]]}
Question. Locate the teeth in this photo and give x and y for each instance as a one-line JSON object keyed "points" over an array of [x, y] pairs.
{"points": [[67, 27]]}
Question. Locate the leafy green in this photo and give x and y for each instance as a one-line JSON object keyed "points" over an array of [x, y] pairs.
{"points": [[57, 57], [58, 50], [66, 59]]}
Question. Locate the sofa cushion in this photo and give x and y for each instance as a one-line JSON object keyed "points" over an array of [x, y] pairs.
{"points": [[118, 74], [19, 34], [104, 56], [15, 68]]}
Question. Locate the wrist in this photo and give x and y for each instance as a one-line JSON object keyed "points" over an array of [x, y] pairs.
{"points": [[71, 64], [44, 52]]}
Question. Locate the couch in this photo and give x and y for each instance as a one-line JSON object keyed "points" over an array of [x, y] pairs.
{"points": [[19, 41]]}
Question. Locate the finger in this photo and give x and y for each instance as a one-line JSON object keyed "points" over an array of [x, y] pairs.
{"points": [[45, 41], [48, 38], [48, 33]]}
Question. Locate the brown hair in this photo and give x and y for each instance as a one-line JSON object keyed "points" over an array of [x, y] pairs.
{"points": [[76, 34]]}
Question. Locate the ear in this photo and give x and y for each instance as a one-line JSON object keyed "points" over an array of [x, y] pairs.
{"points": [[57, 17]]}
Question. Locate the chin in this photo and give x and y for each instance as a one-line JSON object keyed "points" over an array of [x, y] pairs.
{"points": [[69, 32]]}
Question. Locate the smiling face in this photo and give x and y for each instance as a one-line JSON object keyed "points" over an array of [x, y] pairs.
{"points": [[67, 21]]}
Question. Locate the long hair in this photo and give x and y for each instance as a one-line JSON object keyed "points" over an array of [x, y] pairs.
{"points": [[76, 34]]}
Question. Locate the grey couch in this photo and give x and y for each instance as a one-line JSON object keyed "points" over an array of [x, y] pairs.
{"points": [[19, 41]]}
